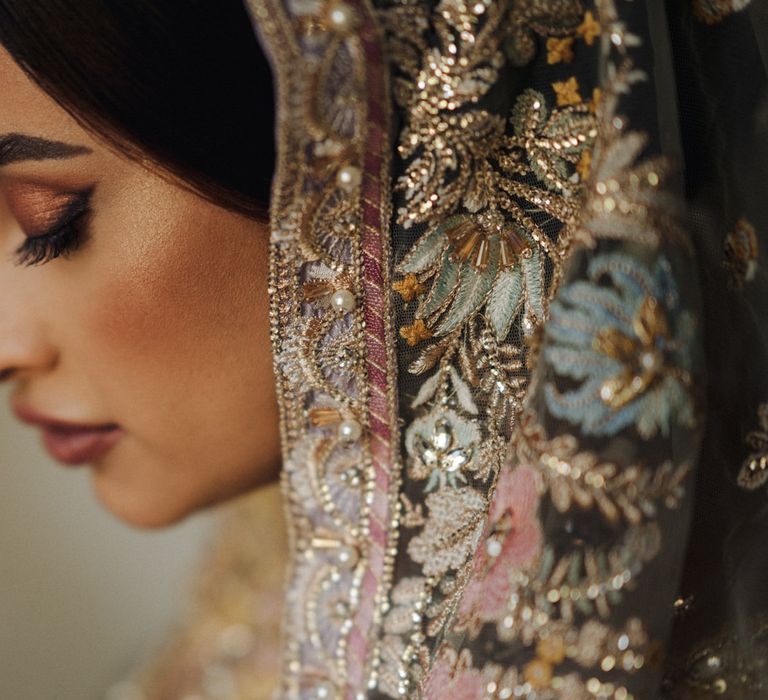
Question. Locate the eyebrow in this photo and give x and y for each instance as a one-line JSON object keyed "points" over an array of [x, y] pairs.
{"points": [[15, 148]]}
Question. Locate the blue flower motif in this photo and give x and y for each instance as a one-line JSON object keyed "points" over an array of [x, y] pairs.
{"points": [[622, 339]]}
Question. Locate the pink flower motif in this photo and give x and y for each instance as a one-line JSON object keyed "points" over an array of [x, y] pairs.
{"points": [[512, 541], [453, 676]]}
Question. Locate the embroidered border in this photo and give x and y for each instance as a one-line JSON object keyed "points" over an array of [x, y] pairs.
{"points": [[330, 326]]}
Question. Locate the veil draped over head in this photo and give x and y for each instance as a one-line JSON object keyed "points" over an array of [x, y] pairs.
{"points": [[519, 325]]}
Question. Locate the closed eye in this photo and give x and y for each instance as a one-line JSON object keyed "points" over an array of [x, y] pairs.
{"points": [[63, 238]]}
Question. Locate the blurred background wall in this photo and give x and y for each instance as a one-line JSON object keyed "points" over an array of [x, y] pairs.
{"points": [[82, 597]]}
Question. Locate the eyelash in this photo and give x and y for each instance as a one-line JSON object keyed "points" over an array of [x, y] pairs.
{"points": [[63, 239]]}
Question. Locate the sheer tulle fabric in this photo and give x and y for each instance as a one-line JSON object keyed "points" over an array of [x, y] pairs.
{"points": [[520, 314]]}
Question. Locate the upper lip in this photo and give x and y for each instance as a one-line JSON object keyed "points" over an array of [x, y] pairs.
{"points": [[32, 417]]}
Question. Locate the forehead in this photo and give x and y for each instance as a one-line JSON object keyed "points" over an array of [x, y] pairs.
{"points": [[26, 108]]}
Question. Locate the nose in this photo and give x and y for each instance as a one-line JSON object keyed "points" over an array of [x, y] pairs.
{"points": [[23, 352], [25, 348]]}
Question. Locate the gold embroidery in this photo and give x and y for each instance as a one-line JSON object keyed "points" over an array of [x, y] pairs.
{"points": [[409, 287], [416, 332], [567, 92], [585, 580], [489, 198], [559, 50], [741, 251], [754, 470], [327, 267], [594, 646], [733, 663], [714, 11], [589, 29], [548, 602], [643, 363]]}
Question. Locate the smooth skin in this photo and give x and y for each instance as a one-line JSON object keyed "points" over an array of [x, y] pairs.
{"points": [[158, 322]]}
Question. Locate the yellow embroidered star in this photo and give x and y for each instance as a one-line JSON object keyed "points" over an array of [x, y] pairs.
{"points": [[538, 673], [415, 333], [597, 95], [567, 92], [559, 50], [589, 29], [584, 166], [409, 287]]}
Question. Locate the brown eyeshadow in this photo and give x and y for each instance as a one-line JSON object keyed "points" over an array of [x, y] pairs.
{"points": [[36, 207]]}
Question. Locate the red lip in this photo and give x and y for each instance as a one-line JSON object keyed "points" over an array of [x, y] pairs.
{"points": [[80, 446], [72, 443]]}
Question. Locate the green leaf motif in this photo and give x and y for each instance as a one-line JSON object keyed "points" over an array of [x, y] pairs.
{"points": [[425, 253], [533, 273], [442, 288], [463, 392], [525, 117], [504, 302], [474, 286], [427, 390]]}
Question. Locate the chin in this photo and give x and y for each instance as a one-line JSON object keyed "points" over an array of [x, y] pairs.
{"points": [[142, 507], [145, 503], [140, 511]]}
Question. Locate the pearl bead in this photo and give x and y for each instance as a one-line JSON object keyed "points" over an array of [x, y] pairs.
{"points": [[350, 430], [493, 547], [343, 300], [349, 177], [347, 557], [649, 360], [325, 691], [340, 17]]}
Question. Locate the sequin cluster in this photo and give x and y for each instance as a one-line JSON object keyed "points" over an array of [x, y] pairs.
{"points": [[570, 529], [491, 197]]}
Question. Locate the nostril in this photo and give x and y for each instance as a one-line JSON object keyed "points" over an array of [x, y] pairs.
{"points": [[5, 374]]}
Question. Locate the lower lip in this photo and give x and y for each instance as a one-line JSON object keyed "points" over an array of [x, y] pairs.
{"points": [[76, 447]]}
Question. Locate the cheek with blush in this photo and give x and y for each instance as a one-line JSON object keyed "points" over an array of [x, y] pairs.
{"points": [[178, 329]]}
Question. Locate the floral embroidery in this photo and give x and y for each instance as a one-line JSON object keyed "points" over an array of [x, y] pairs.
{"points": [[416, 332], [536, 579], [567, 92], [594, 646], [452, 531], [559, 50], [548, 598], [409, 287], [443, 447], [590, 28], [331, 336], [627, 332], [754, 470], [487, 197], [741, 250], [454, 677], [512, 540], [529, 18], [627, 346]]}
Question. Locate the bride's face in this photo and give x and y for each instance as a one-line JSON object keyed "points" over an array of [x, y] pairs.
{"points": [[148, 333]]}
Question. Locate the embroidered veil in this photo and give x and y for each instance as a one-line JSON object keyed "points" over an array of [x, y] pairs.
{"points": [[519, 330]]}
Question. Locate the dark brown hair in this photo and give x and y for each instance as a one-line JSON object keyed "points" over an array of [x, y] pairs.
{"points": [[184, 82]]}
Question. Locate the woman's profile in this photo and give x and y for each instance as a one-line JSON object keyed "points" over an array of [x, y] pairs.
{"points": [[473, 280], [136, 181]]}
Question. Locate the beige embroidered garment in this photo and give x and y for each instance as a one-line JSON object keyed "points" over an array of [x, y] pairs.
{"points": [[519, 328]]}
